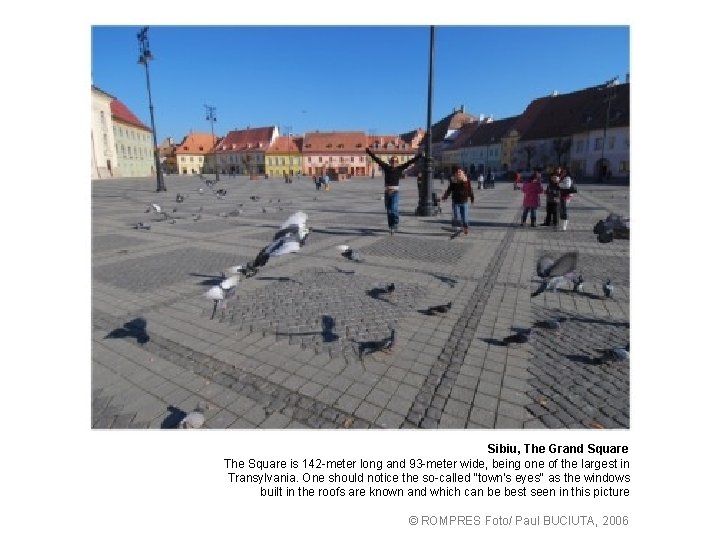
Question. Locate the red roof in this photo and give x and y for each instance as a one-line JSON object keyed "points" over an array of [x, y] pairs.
{"points": [[196, 143], [121, 113], [328, 142], [247, 139], [283, 145]]}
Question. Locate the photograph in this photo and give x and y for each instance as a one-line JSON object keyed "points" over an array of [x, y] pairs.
{"points": [[417, 227]]}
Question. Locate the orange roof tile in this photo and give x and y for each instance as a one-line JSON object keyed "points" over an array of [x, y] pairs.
{"points": [[196, 143], [334, 141], [283, 145]]}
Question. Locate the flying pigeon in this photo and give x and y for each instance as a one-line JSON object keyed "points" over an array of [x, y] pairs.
{"points": [[289, 239], [608, 289], [233, 270], [384, 345], [350, 254], [518, 338], [555, 273], [441, 308]]}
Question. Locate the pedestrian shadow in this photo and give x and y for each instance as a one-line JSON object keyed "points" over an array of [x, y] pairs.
{"points": [[133, 329], [173, 419], [445, 279], [496, 342]]}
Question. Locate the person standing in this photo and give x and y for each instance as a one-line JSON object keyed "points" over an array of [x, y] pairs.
{"points": [[393, 172], [481, 181], [461, 190], [566, 192], [552, 197], [531, 199]]}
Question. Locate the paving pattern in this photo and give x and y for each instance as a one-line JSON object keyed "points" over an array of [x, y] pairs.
{"points": [[284, 351]]}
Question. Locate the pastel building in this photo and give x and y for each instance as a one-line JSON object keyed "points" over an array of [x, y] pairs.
{"points": [[104, 160], [284, 156], [133, 142], [243, 151], [191, 153], [340, 154], [387, 146]]}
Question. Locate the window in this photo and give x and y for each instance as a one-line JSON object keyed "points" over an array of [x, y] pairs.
{"points": [[611, 143], [105, 142], [309, 159], [200, 159], [102, 119], [192, 158], [182, 158], [624, 167], [598, 143], [352, 159], [579, 147], [122, 150]]}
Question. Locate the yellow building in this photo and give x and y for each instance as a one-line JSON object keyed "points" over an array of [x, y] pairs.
{"points": [[191, 153], [284, 156]]}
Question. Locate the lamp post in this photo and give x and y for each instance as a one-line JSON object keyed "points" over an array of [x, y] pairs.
{"points": [[210, 115], [288, 129], [144, 58], [425, 204]]}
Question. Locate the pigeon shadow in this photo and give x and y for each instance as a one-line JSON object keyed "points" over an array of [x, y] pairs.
{"points": [[347, 272], [132, 329], [583, 359], [496, 342], [379, 293], [283, 279], [589, 295], [172, 420], [328, 329], [447, 280]]}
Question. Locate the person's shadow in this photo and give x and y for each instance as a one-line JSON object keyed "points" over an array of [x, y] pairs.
{"points": [[133, 329]]}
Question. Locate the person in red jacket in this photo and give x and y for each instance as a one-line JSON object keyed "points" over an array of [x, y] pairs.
{"points": [[531, 199], [461, 189]]}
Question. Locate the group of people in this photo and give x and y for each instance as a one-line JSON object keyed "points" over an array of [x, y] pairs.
{"points": [[322, 182], [558, 193]]}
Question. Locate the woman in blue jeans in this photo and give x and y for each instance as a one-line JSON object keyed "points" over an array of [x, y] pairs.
{"points": [[461, 190]]}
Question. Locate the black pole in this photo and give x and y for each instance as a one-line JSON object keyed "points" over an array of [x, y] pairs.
{"points": [[425, 204], [210, 115], [145, 57]]}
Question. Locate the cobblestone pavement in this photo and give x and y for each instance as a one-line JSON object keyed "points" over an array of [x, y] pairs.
{"points": [[284, 351]]}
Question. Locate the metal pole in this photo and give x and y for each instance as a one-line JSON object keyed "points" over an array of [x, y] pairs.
{"points": [[425, 204], [210, 115], [145, 57]]}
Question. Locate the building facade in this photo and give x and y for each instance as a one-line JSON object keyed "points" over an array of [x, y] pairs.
{"points": [[339, 154], [243, 151], [133, 143], [104, 160], [284, 156], [192, 152]]}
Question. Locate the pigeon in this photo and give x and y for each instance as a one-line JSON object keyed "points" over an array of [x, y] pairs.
{"points": [[518, 338], [254, 197], [219, 294], [196, 217], [154, 207], [441, 308], [578, 283], [264, 210], [289, 239], [390, 288], [384, 345], [179, 198], [141, 225], [221, 192], [223, 214], [233, 270], [350, 254], [201, 191], [605, 237], [556, 272], [194, 419], [608, 289], [551, 324], [619, 354]]}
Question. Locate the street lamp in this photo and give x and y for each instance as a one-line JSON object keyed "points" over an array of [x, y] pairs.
{"points": [[210, 115], [288, 130], [144, 58], [425, 203]]}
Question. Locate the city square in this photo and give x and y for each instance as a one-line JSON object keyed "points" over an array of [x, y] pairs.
{"points": [[285, 351]]}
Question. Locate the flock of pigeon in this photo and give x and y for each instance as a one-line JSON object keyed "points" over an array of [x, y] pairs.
{"points": [[555, 273], [293, 233]]}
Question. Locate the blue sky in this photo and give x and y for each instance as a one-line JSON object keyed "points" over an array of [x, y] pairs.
{"points": [[368, 78]]}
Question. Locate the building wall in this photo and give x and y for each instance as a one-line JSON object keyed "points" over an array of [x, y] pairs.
{"points": [[104, 160], [191, 163], [587, 154], [277, 164], [134, 149]]}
